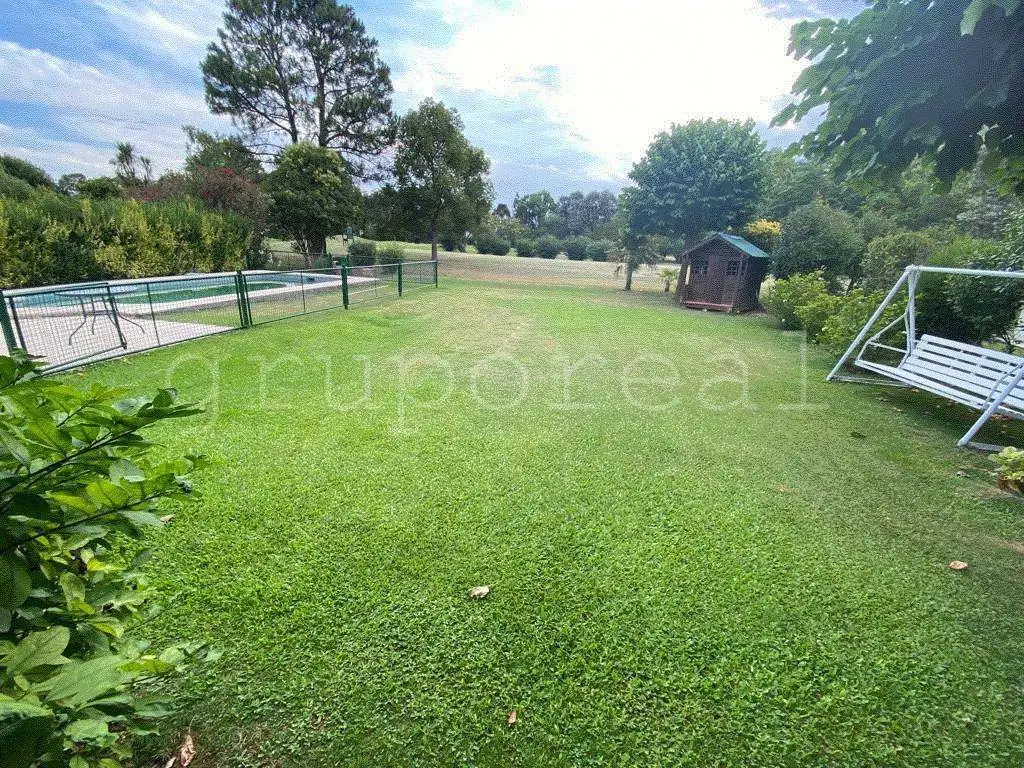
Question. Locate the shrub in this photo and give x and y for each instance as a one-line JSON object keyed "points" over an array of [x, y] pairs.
{"points": [[576, 248], [102, 188], [488, 242], [31, 174], [849, 315], [813, 315], [362, 253], [79, 483], [598, 250], [889, 255], [788, 295], [14, 188], [1010, 469], [526, 247], [763, 233], [391, 253], [451, 241], [548, 247], [817, 237]]}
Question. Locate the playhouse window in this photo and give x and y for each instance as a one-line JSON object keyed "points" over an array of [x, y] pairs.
{"points": [[732, 268], [700, 268]]}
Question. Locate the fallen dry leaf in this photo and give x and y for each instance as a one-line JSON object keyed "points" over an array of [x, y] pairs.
{"points": [[166, 519], [784, 489], [479, 593], [186, 752], [961, 473], [513, 717], [958, 565]]}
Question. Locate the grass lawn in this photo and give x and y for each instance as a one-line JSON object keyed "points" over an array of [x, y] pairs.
{"points": [[718, 570]]}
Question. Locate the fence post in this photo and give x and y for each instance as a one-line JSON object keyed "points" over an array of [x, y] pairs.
{"points": [[5, 321], [243, 304], [399, 279], [435, 273], [344, 286]]}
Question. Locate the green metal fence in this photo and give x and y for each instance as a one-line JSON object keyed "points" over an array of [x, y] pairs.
{"points": [[71, 325]]}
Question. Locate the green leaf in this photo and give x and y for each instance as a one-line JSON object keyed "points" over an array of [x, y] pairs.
{"points": [[80, 683], [123, 469], [30, 505], [88, 731], [73, 586], [15, 582], [39, 649], [25, 730]]}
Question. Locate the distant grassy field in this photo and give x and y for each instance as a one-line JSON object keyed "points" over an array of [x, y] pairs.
{"points": [[699, 553]]}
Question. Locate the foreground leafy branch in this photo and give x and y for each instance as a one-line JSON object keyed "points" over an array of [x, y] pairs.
{"points": [[77, 484]]}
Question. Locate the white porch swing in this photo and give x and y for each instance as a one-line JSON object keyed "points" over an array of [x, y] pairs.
{"points": [[980, 378]]}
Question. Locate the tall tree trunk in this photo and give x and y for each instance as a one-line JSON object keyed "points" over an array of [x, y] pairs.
{"points": [[689, 241], [629, 276]]}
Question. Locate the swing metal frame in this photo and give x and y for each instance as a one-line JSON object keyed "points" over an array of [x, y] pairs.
{"points": [[981, 378]]}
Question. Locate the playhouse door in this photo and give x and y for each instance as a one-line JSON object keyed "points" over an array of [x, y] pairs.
{"points": [[698, 289], [731, 281]]}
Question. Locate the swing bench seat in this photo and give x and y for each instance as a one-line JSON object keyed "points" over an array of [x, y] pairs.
{"points": [[983, 379]]}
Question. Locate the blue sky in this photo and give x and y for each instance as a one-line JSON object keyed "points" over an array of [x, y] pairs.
{"points": [[561, 94]]}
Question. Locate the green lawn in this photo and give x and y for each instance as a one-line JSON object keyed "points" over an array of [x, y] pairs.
{"points": [[677, 578]]}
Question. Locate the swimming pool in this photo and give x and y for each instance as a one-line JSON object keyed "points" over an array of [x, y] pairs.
{"points": [[158, 291]]}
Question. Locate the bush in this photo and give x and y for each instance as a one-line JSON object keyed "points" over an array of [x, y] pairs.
{"points": [[889, 255], [453, 242], [548, 247], [598, 250], [488, 242], [813, 315], [817, 237], [526, 247], [14, 188], [31, 174], [362, 253], [102, 188], [392, 253], [763, 233], [1010, 469], [51, 238], [849, 315], [79, 484], [788, 295], [576, 248]]}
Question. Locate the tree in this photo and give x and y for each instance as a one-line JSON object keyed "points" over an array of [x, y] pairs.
{"points": [[101, 188], [704, 175], [534, 208], [919, 77], [815, 237], [211, 151], [312, 197], [304, 70], [636, 245], [70, 183], [26, 171], [886, 258], [501, 211], [130, 169], [584, 214], [439, 172]]}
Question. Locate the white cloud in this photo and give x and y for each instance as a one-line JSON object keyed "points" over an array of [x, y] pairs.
{"points": [[614, 73], [91, 109], [180, 29]]}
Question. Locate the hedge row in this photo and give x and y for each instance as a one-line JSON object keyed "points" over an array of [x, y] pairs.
{"points": [[48, 238]]}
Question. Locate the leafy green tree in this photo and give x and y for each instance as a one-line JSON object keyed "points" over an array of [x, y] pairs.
{"points": [[131, 169], [534, 208], [919, 77], [585, 214], [441, 176], [26, 171], [886, 258], [209, 151], [701, 176], [304, 69], [501, 211], [101, 188], [791, 182], [69, 183], [312, 197], [638, 247], [78, 484], [817, 237]]}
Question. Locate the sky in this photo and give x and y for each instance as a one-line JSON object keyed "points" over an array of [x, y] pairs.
{"points": [[561, 94]]}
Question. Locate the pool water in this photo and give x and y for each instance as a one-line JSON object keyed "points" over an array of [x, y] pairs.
{"points": [[200, 291]]}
